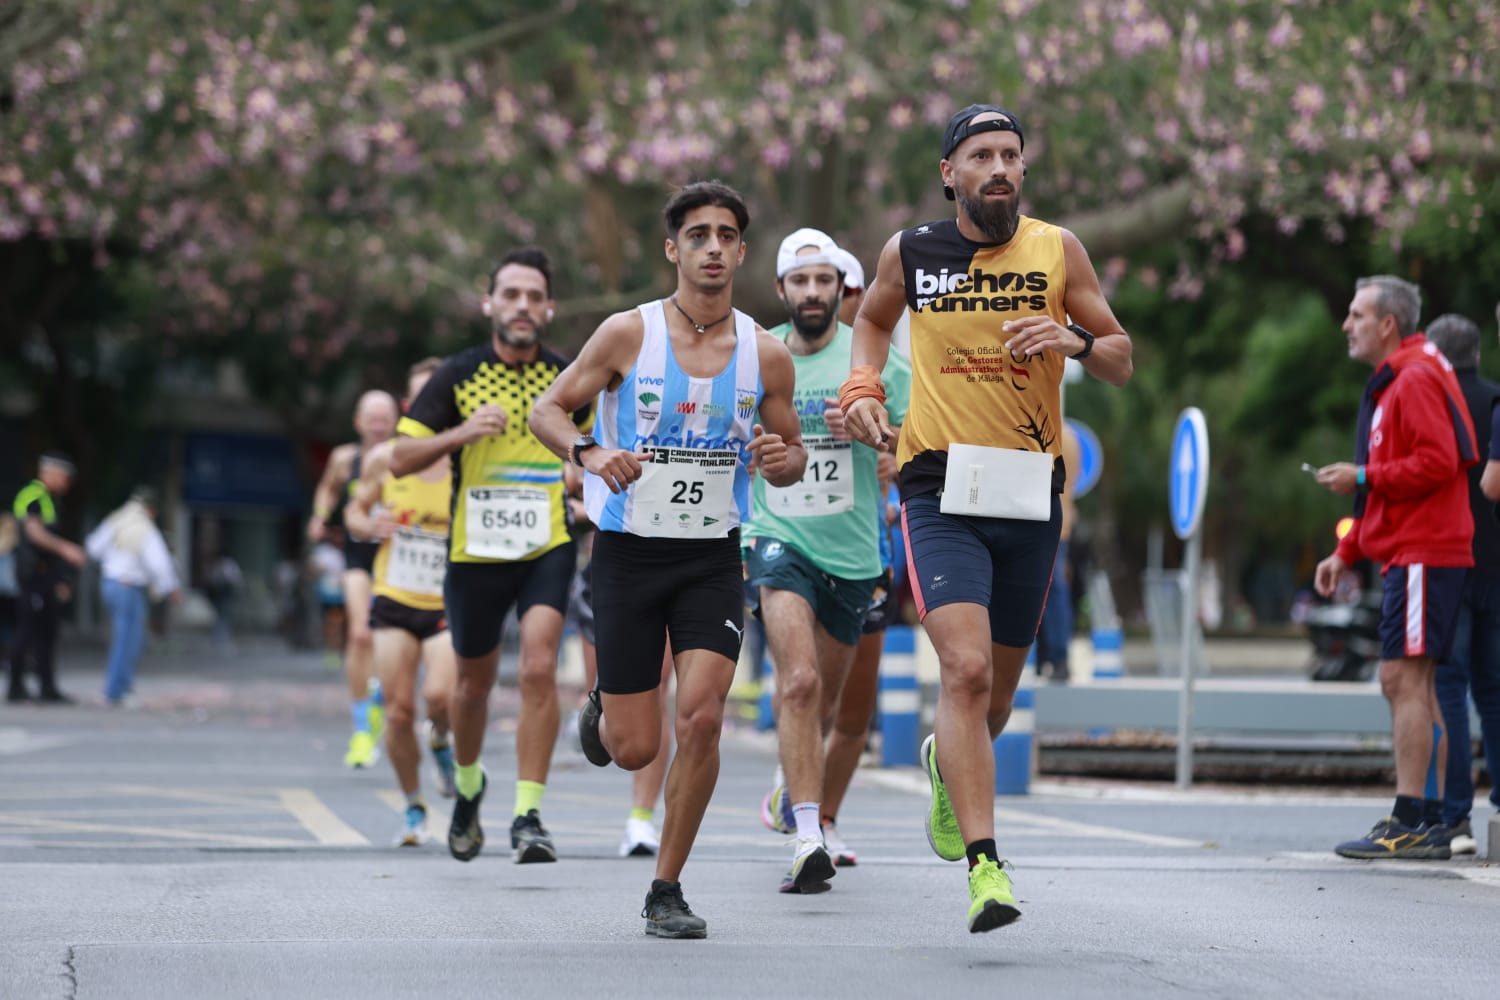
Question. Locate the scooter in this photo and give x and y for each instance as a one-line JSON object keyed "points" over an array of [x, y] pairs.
{"points": [[1346, 638], [1346, 633]]}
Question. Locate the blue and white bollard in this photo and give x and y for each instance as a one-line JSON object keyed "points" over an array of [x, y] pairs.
{"points": [[1109, 653], [1014, 747], [900, 699]]}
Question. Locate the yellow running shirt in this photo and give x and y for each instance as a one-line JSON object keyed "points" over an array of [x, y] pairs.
{"points": [[508, 503], [409, 566], [966, 387]]}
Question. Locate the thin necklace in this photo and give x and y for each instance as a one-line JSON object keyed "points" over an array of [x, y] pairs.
{"points": [[700, 327]]}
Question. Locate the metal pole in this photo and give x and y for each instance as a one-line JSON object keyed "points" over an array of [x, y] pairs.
{"points": [[1189, 622]]}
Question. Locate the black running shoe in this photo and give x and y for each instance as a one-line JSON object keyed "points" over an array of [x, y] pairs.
{"points": [[588, 731], [530, 840], [465, 836], [668, 915]]}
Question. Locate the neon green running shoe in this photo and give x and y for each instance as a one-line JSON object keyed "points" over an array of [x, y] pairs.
{"points": [[991, 902], [363, 750], [942, 826]]}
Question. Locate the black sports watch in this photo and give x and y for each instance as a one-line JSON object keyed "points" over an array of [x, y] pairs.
{"points": [[582, 445], [1088, 342]]}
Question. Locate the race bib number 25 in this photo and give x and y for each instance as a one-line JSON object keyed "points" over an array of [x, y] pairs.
{"points": [[685, 493]]}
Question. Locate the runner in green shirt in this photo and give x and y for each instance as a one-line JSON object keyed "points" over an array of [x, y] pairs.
{"points": [[812, 551]]}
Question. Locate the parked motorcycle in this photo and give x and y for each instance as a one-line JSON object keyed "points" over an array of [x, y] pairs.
{"points": [[1346, 638], [1345, 632]]}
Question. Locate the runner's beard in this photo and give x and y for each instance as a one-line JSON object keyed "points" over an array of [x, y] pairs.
{"points": [[809, 328], [528, 338], [996, 219]]}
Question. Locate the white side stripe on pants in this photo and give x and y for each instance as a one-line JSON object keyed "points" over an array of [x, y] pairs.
{"points": [[1416, 610]]}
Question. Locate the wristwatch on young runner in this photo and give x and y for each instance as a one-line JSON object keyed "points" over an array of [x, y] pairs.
{"points": [[580, 446]]}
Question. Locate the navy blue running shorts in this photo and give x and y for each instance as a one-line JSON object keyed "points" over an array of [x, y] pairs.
{"points": [[1419, 610], [1003, 564]]}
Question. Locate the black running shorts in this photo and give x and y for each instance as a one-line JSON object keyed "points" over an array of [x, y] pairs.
{"points": [[386, 613], [478, 596], [360, 556], [647, 588]]}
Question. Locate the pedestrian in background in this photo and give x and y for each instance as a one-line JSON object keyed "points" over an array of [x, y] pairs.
{"points": [[44, 560], [1056, 632], [1473, 667], [10, 538], [222, 585], [136, 569], [1411, 513]]}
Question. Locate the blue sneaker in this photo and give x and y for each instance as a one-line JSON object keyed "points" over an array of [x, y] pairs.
{"points": [[1390, 839], [413, 832], [442, 761]]}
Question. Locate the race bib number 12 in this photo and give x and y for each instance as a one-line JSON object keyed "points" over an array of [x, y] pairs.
{"points": [[827, 487]]}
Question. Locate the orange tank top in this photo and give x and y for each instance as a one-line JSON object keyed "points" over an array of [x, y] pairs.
{"points": [[966, 387]]}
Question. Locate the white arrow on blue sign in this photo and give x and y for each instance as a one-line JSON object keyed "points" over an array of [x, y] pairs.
{"points": [[1189, 478], [1090, 458]]}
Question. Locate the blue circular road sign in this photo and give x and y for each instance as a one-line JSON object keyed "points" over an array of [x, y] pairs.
{"points": [[1188, 483], [1090, 458]]}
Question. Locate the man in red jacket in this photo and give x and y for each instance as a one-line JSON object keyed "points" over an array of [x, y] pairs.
{"points": [[1411, 510]]}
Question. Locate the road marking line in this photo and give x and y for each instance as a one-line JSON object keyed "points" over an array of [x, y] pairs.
{"points": [[319, 820], [392, 798], [163, 833], [16, 740], [916, 783], [267, 800], [1074, 828]]}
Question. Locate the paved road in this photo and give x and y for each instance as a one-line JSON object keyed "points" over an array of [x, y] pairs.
{"points": [[210, 846]]}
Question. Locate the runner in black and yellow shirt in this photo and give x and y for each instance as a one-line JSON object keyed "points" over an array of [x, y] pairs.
{"points": [[998, 302], [509, 545], [410, 517]]}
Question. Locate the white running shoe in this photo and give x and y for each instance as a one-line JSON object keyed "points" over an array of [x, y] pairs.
{"points": [[843, 856], [811, 867], [641, 839]]}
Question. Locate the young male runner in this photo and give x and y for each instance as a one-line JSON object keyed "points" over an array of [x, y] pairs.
{"points": [[680, 383]]}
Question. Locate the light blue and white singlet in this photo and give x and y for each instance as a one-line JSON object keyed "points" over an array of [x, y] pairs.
{"points": [[699, 429]]}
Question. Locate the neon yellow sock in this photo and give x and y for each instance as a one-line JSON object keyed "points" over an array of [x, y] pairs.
{"points": [[644, 814], [528, 796], [469, 778]]}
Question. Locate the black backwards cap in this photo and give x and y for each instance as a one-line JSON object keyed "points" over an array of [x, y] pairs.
{"points": [[962, 125]]}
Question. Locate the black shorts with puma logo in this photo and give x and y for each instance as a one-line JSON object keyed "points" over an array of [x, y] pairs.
{"points": [[647, 588]]}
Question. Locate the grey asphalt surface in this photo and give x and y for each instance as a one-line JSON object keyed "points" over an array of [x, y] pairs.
{"points": [[211, 845]]}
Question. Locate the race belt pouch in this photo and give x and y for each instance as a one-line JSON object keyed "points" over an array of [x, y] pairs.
{"points": [[998, 482]]}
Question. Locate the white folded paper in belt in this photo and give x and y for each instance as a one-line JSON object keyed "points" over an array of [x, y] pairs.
{"points": [[998, 482]]}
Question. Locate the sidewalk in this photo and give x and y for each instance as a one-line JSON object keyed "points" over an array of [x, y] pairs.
{"points": [[1231, 657]]}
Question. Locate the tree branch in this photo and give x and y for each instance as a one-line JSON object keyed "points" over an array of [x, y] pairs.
{"points": [[1163, 214], [508, 33]]}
